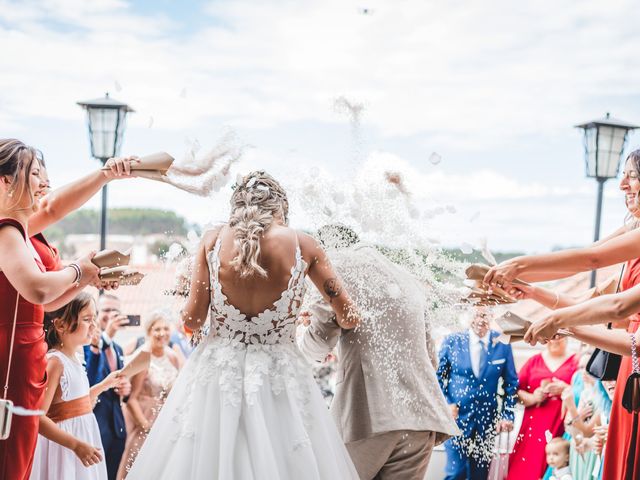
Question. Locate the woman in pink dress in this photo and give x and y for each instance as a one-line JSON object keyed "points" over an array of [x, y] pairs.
{"points": [[542, 379]]}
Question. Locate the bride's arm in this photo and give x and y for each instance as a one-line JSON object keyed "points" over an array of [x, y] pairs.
{"points": [[327, 281], [196, 309], [551, 266]]}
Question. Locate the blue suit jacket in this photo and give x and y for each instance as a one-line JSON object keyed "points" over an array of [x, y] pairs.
{"points": [[108, 411], [477, 397]]}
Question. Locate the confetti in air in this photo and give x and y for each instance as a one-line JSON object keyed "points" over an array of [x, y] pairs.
{"points": [[150, 122], [486, 254], [466, 248], [117, 86], [206, 173], [548, 436], [435, 159], [183, 93], [474, 217], [353, 111]]}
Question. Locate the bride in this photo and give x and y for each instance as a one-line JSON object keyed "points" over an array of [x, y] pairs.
{"points": [[245, 406]]}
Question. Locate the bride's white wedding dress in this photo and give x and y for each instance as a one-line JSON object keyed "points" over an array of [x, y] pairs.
{"points": [[245, 405]]}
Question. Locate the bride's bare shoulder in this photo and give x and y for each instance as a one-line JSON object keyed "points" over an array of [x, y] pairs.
{"points": [[210, 236]]}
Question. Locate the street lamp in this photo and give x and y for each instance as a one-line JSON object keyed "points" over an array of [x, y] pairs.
{"points": [[604, 142], [106, 119]]}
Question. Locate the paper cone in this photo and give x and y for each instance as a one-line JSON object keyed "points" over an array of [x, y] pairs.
{"points": [[122, 275], [159, 162], [111, 258], [515, 327], [139, 362], [477, 271]]}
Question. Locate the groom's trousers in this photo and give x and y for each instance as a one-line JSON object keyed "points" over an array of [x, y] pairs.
{"points": [[398, 455]]}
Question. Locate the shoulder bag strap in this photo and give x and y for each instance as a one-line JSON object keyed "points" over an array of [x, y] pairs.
{"points": [[13, 337]]}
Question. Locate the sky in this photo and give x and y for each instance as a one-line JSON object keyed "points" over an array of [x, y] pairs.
{"points": [[495, 88]]}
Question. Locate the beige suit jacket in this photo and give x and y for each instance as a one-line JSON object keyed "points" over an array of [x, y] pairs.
{"points": [[386, 379]]}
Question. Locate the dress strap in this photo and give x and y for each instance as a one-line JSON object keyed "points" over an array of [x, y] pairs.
{"points": [[14, 223]]}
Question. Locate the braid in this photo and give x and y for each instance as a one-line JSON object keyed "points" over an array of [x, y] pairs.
{"points": [[255, 203]]}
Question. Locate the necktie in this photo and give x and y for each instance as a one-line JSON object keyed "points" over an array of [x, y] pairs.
{"points": [[483, 358], [111, 358]]}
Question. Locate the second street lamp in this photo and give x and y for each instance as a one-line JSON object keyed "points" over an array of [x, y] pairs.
{"points": [[604, 142], [106, 119]]}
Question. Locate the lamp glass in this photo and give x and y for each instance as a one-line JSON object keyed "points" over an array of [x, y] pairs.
{"points": [[106, 127]]}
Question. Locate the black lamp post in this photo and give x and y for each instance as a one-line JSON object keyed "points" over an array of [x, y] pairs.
{"points": [[106, 119], [604, 142]]}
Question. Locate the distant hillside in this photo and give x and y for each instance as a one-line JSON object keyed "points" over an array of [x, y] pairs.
{"points": [[126, 221]]}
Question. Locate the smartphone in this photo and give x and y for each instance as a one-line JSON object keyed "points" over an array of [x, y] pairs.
{"points": [[134, 320]]}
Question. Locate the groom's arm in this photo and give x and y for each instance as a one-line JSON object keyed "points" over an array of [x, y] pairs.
{"points": [[321, 336]]}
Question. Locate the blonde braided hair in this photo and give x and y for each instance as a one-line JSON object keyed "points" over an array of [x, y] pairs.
{"points": [[256, 201]]}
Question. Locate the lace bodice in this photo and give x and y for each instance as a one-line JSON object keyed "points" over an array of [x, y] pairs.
{"points": [[276, 324]]}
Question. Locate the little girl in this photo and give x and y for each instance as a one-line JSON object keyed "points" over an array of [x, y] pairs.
{"points": [[69, 444]]}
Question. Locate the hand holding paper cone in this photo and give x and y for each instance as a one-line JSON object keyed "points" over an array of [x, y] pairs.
{"points": [[153, 166], [514, 328]]}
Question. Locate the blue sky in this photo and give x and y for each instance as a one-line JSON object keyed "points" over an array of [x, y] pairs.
{"points": [[493, 87]]}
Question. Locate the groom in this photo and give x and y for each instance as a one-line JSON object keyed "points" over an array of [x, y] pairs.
{"points": [[388, 405]]}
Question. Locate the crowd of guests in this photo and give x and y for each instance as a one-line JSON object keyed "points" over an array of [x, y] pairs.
{"points": [[66, 362], [565, 410]]}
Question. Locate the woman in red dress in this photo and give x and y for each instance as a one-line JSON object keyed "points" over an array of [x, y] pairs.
{"points": [[22, 278], [620, 463], [542, 379]]}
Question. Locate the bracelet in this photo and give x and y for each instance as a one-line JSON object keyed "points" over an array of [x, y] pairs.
{"points": [[557, 301], [78, 271]]}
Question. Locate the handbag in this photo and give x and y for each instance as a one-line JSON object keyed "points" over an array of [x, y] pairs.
{"points": [[631, 403], [6, 405], [631, 395], [499, 468], [602, 364]]}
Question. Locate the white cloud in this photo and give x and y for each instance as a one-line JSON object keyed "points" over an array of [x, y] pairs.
{"points": [[469, 74]]}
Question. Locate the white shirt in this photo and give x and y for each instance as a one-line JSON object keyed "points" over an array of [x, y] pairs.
{"points": [[475, 349]]}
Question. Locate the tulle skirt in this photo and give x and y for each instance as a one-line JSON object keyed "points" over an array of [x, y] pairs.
{"points": [[244, 412]]}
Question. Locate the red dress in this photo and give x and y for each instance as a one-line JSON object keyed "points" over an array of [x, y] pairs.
{"points": [[621, 422], [48, 253], [528, 460], [28, 373]]}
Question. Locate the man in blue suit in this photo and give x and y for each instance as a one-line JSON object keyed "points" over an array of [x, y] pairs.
{"points": [[471, 367], [102, 357]]}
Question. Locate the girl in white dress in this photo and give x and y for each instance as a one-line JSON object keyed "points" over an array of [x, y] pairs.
{"points": [[69, 445], [245, 405]]}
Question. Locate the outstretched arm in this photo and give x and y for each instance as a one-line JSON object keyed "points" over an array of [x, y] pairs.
{"points": [[604, 309], [329, 284], [64, 200], [16, 262], [551, 266]]}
